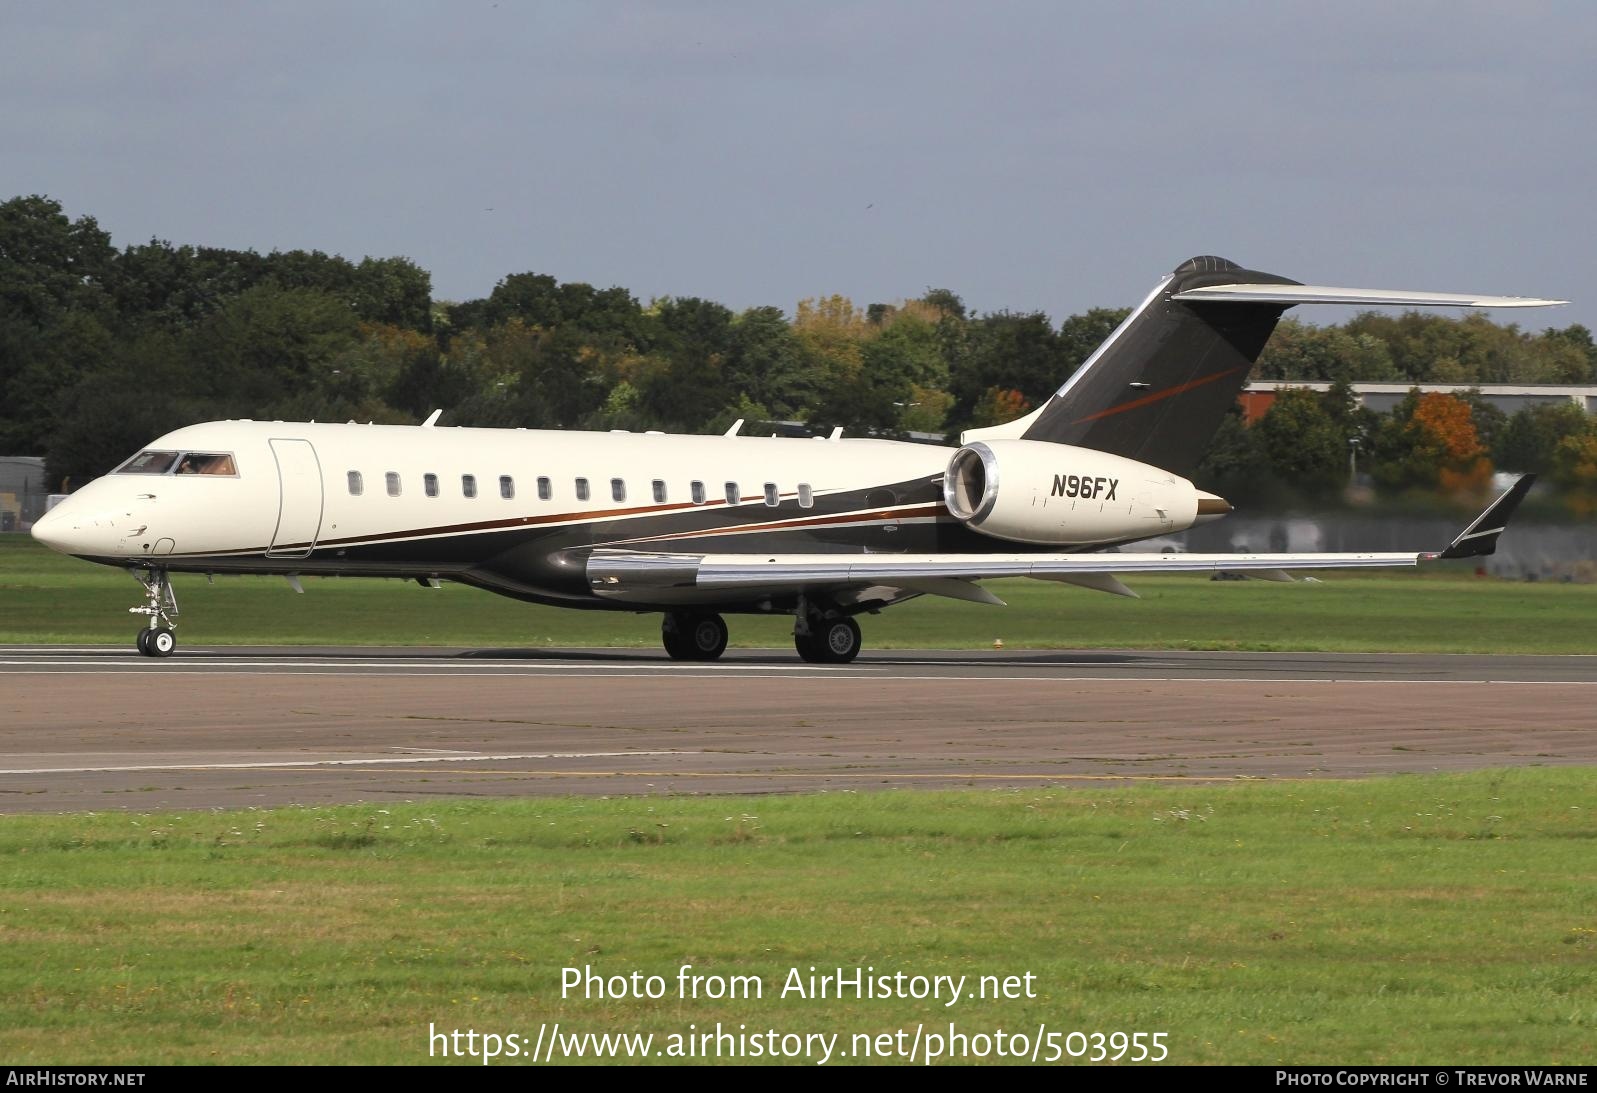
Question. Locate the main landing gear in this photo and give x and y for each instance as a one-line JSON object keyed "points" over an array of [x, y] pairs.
{"points": [[693, 635], [160, 605], [820, 634], [822, 638]]}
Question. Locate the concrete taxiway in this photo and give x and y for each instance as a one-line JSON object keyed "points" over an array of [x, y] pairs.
{"points": [[96, 727]]}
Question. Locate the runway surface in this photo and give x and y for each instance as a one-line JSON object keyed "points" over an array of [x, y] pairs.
{"points": [[98, 728]]}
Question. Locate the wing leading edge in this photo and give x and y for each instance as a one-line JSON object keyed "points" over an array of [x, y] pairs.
{"points": [[644, 577]]}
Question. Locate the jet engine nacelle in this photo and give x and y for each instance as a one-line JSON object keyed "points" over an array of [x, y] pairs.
{"points": [[1029, 491]]}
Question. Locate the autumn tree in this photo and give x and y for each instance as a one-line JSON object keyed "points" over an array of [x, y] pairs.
{"points": [[1428, 442]]}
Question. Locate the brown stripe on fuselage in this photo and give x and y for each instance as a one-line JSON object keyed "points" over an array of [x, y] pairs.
{"points": [[572, 518], [788, 525]]}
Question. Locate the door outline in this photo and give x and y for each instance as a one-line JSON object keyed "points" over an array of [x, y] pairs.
{"points": [[289, 450]]}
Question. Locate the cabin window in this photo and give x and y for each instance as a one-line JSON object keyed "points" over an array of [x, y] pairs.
{"points": [[618, 489], [772, 496], [468, 485], [806, 496], [659, 491], [698, 493], [582, 489], [429, 483], [732, 494], [393, 483], [356, 487], [148, 463], [507, 487], [545, 490], [206, 463]]}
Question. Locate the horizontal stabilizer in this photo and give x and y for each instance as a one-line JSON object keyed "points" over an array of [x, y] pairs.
{"points": [[1480, 537], [1373, 297]]}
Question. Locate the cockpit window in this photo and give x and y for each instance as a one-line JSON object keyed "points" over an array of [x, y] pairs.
{"points": [[206, 463], [149, 462], [153, 462]]}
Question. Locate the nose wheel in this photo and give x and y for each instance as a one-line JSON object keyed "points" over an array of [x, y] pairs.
{"points": [[160, 607]]}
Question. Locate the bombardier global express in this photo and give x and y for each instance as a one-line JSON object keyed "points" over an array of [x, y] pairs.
{"points": [[695, 527]]}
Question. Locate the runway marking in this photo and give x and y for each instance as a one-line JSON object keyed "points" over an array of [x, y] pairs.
{"points": [[437, 666], [873, 776], [423, 652], [292, 763], [1043, 675]]}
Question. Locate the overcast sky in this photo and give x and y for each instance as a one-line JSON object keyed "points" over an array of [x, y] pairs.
{"points": [[1052, 156]]}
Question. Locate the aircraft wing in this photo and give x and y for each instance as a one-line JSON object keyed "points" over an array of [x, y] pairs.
{"points": [[645, 577]]}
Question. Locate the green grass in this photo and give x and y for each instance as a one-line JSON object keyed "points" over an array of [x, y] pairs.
{"points": [[1438, 919], [45, 597]]}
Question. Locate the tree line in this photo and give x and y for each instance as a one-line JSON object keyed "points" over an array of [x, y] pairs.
{"points": [[103, 348]]}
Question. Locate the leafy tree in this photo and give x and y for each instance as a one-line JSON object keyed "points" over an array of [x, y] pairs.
{"points": [[1574, 468], [1007, 350], [50, 265], [393, 291], [997, 406], [1235, 466], [831, 332], [946, 303], [766, 363], [1081, 335], [1298, 351], [926, 411], [267, 341], [1428, 442], [1304, 443], [690, 343], [1529, 439]]}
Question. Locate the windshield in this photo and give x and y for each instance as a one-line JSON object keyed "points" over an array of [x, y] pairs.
{"points": [[148, 463], [153, 462], [206, 463]]}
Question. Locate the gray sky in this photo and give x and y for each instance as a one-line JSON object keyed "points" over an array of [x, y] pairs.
{"points": [[1051, 156]]}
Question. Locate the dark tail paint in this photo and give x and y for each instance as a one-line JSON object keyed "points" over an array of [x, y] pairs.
{"points": [[1160, 389], [1480, 538]]}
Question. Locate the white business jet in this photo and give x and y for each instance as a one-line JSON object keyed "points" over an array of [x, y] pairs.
{"points": [[824, 529]]}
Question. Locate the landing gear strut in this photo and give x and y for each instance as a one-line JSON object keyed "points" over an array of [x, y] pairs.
{"points": [[160, 605], [825, 637], [693, 635]]}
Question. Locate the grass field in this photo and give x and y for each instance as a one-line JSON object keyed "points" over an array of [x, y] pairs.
{"points": [[1439, 919], [45, 597]]}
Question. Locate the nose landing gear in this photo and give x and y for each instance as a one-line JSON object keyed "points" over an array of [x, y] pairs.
{"points": [[156, 639]]}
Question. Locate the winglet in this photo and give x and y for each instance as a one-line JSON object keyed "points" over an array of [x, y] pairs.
{"points": [[432, 419], [1481, 536]]}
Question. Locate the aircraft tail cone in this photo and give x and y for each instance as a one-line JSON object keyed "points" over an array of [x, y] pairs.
{"points": [[1211, 508]]}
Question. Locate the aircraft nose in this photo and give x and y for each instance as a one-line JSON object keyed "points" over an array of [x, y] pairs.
{"points": [[54, 529], [64, 528]]}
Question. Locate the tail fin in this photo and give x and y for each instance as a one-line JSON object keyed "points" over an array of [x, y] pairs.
{"points": [[1156, 389]]}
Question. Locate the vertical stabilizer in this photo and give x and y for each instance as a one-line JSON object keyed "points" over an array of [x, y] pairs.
{"points": [[1157, 388]]}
